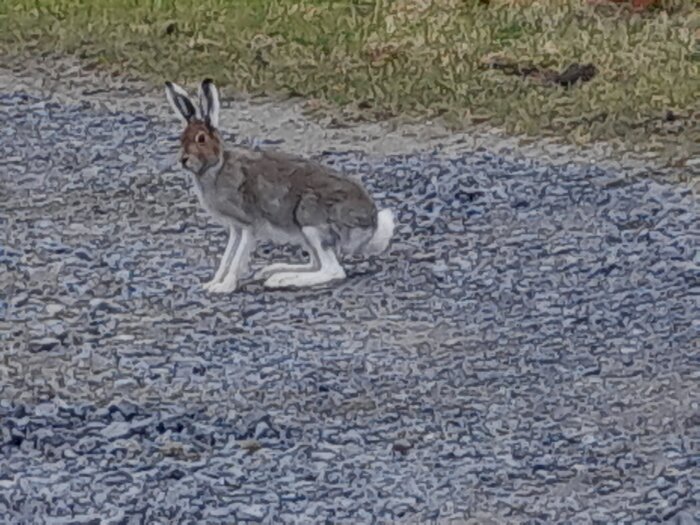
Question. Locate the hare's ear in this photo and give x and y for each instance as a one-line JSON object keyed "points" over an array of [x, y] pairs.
{"points": [[180, 102], [209, 102]]}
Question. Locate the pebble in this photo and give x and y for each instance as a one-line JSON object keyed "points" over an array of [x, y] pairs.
{"points": [[45, 344], [53, 309]]}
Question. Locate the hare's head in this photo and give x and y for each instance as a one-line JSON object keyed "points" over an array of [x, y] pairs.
{"points": [[200, 143]]}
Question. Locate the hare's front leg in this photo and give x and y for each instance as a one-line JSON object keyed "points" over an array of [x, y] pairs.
{"points": [[239, 262], [323, 268], [233, 239]]}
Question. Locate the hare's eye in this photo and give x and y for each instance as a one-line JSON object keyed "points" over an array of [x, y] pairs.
{"points": [[200, 138]]}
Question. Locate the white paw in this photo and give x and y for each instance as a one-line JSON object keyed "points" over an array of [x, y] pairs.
{"points": [[278, 280], [223, 287], [208, 285], [299, 280], [261, 274], [272, 269]]}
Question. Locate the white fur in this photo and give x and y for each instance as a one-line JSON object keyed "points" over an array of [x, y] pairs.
{"points": [[179, 91], [208, 205], [239, 261], [213, 111], [382, 235], [226, 259], [302, 279], [329, 269], [271, 269]]}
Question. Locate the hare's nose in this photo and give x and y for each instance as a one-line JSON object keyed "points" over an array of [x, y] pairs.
{"points": [[184, 160]]}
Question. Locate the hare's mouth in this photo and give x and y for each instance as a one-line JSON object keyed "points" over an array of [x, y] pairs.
{"points": [[192, 164]]}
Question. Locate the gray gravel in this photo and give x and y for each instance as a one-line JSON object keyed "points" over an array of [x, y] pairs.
{"points": [[526, 353]]}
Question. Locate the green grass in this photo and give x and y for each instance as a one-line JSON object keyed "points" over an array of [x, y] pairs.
{"points": [[415, 58]]}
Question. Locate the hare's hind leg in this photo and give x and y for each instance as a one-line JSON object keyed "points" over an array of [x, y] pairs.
{"points": [[272, 269], [324, 266]]}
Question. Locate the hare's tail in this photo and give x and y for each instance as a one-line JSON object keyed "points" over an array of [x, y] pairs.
{"points": [[381, 237], [368, 241]]}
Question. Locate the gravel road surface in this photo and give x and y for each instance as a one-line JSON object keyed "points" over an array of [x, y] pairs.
{"points": [[527, 351]]}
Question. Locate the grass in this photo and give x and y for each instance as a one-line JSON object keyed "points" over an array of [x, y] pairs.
{"points": [[412, 58]]}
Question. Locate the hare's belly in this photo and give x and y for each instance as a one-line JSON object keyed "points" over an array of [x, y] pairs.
{"points": [[269, 232]]}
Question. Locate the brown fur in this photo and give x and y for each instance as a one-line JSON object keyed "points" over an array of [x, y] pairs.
{"points": [[208, 151]]}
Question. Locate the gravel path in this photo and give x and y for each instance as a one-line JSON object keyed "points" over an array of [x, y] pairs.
{"points": [[526, 353]]}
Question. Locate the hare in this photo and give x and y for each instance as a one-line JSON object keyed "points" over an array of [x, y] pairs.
{"points": [[270, 195]]}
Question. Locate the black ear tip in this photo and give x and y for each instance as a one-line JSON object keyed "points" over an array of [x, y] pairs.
{"points": [[207, 82]]}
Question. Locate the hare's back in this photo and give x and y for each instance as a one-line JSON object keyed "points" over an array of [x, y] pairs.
{"points": [[308, 192]]}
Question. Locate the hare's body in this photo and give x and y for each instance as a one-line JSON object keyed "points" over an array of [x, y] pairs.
{"points": [[277, 194], [269, 195]]}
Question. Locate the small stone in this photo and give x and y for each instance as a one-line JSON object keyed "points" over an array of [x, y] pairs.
{"points": [[251, 512], [319, 455], [401, 446], [117, 429], [250, 445], [45, 344], [19, 299], [588, 439], [54, 308], [7, 484], [46, 409]]}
